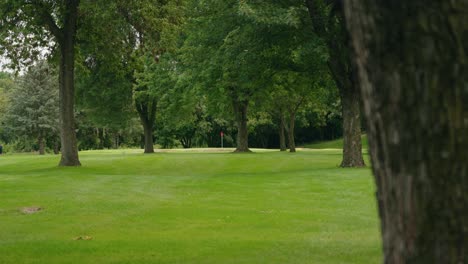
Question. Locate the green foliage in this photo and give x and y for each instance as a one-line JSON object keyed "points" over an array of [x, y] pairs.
{"points": [[33, 110], [6, 84]]}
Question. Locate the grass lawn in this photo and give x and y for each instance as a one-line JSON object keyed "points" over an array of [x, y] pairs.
{"points": [[187, 207], [336, 144]]}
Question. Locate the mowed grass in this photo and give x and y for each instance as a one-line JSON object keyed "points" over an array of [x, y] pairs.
{"points": [[336, 144], [188, 207]]}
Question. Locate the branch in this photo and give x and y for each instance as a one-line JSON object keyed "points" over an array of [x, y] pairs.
{"points": [[46, 17]]}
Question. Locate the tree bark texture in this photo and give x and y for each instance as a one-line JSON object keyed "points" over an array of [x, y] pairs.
{"points": [[413, 67], [67, 41], [282, 136], [240, 110], [331, 27], [147, 112], [351, 112]]}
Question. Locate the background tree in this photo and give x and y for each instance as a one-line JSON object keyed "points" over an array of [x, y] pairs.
{"points": [[6, 84], [329, 23], [155, 30], [413, 65], [34, 110]]}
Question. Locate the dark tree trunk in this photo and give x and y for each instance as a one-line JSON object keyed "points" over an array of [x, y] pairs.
{"points": [[67, 41], [57, 146], [282, 136], [413, 67], [102, 137], [149, 142], [240, 109], [41, 143], [351, 111], [147, 112], [331, 27], [292, 124], [186, 142]]}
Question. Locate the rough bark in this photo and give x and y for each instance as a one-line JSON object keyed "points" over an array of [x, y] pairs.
{"points": [[67, 41], [282, 136], [351, 112], [331, 27], [413, 67], [147, 112], [240, 110]]}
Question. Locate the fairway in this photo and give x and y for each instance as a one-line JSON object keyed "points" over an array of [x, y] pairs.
{"points": [[188, 207]]}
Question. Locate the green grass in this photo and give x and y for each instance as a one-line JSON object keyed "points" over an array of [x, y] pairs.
{"points": [[335, 144], [181, 207]]}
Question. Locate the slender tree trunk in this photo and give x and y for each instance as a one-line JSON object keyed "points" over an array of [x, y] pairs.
{"points": [[282, 136], [352, 146], [413, 68], [41, 143], [292, 124], [331, 26], [67, 86], [240, 109], [101, 137], [57, 146]]}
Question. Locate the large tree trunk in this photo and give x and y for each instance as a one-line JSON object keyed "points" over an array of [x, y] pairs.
{"points": [[240, 109], [282, 136], [147, 111], [149, 142], [41, 143], [413, 68], [292, 124], [67, 87], [331, 27], [351, 111]]}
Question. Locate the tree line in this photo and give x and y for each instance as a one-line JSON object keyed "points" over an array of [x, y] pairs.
{"points": [[234, 66]]}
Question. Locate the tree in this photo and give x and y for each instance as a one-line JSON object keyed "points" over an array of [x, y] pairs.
{"points": [[34, 107], [28, 26], [292, 92], [155, 30], [328, 22], [6, 84], [236, 49], [412, 58]]}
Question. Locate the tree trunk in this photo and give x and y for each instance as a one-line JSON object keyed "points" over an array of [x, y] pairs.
{"points": [[331, 27], [413, 67], [292, 124], [147, 111], [352, 146], [240, 109], [41, 143], [149, 143], [56, 146], [282, 136], [67, 87]]}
